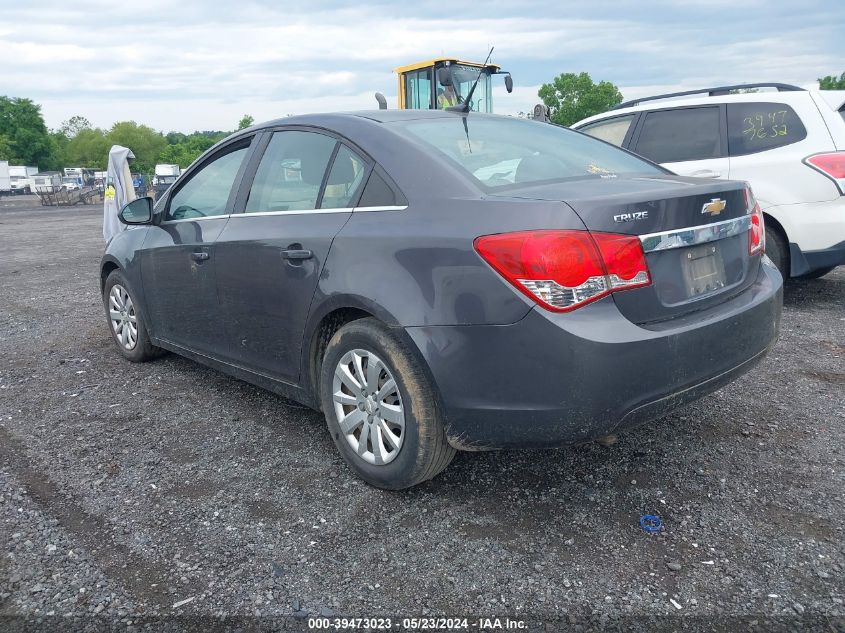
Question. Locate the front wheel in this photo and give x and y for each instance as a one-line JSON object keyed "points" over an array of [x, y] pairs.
{"points": [[381, 409], [126, 321]]}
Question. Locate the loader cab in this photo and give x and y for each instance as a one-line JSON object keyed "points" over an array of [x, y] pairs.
{"points": [[422, 84]]}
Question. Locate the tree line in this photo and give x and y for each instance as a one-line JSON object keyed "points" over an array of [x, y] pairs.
{"points": [[25, 140]]}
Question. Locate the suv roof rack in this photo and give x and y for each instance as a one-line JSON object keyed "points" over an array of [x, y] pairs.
{"points": [[712, 92]]}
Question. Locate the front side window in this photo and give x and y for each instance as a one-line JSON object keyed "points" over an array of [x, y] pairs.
{"points": [[500, 151], [207, 192], [611, 130], [673, 136], [756, 127], [291, 172]]}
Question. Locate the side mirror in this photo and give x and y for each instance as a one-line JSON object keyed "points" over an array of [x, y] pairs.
{"points": [[139, 211], [444, 77], [509, 83]]}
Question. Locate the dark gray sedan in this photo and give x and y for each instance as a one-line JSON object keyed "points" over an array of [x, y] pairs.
{"points": [[437, 281]]}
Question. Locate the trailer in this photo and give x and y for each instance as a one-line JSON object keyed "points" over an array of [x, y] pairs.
{"points": [[165, 175], [5, 179], [21, 178], [46, 180], [61, 196]]}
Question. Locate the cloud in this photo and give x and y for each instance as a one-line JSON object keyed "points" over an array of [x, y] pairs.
{"points": [[192, 64]]}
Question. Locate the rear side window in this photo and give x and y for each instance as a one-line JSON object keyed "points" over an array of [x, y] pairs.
{"points": [[378, 193], [757, 127], [345, 179], [291, 172], [611, 130], [674, 136]]}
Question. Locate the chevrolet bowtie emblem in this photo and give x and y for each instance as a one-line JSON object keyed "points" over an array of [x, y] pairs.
{"points": [[714, 207]]}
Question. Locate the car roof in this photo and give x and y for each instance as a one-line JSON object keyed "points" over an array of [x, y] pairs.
{"points": [[380, 116], [791, 98]]}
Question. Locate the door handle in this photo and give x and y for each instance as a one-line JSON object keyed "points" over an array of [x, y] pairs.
{"points": [[706, 173], [200, 256], [297, 253]]}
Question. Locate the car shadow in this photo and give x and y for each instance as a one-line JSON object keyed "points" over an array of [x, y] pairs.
{"points": [[822, 292]]}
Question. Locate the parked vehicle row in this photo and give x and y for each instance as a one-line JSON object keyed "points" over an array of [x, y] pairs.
{"points": [[441, 281], [789, 144]]}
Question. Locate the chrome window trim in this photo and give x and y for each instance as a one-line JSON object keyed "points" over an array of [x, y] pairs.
{"points": [[247, 214], [387, 208], [199, 219], [291, 212], [692, 235]]}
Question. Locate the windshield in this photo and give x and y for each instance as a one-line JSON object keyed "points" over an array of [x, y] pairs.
{"points": [[70, 180], [501, 151], [463, 77]]}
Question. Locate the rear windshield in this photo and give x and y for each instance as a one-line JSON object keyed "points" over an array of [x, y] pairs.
{"points": [[501, 152]]}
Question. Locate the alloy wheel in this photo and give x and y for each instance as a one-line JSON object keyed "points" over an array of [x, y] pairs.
{"points": [[124, 321], [368, 407]]}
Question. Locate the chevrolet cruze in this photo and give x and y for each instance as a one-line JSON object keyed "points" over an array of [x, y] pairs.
{"points": [[441, 281]]}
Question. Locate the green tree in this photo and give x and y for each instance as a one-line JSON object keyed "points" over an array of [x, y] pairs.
{"points": [[831, 82], [5, 148], [574, 97], [58, 152], [74, 125], [185, 149], [145, 143], [246, 121], [88, 148], [22, 125]]}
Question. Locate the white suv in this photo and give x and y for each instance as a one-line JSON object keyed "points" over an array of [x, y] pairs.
{"points": [[789, 145]]}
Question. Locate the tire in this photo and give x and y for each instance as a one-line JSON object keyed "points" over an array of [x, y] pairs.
{"points": [[422, 451], [142, 350], [816, 274], [778, 250]]}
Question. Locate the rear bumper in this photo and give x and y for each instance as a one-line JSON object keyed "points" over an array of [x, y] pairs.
{"points": [[803, 262], [555, 379]]}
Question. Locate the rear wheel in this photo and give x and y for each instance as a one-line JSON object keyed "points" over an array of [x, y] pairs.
{"points": [[380, 408], [126, 321], [778, 250]]}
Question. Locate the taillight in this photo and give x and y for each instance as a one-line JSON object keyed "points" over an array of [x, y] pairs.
{"points": [[832, 165], [563, 270], [757, 232]]}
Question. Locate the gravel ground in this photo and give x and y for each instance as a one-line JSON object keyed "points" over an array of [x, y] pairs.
{"points": [[131, 492]]}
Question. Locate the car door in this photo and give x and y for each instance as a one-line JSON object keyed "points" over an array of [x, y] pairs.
{"points": [[177, 260], [270, 255], [689, 141]]}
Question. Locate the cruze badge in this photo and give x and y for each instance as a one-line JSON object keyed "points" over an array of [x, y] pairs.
{"points": [[714, 207], [630, 217]]}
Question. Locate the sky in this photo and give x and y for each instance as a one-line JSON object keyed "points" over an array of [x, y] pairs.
{"points": [[181, 65]]}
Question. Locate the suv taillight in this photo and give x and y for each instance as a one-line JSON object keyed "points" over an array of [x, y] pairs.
{"points": [[832, 165], [757, 232], [563, 270]]}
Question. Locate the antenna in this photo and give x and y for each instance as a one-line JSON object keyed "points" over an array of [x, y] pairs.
{"points": [[464, 107]]}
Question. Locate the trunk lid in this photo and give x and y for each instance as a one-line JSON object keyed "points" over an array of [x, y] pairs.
{"points": [[694, 233]]}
